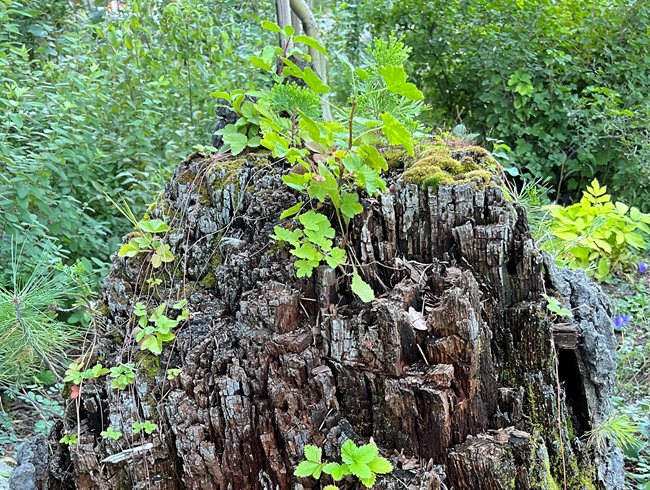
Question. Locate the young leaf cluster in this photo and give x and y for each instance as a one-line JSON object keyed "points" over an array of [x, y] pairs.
{"points": [[335, 158], [361, 462], [155, 328], [148, 240]]}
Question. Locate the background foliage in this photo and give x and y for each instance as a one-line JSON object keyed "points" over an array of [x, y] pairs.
{"points": [[564, 83]]}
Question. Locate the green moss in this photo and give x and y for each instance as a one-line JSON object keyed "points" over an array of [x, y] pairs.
{"points": [[149, 365], [396, 158], [437, 165], [225, 172], [209, 280]]}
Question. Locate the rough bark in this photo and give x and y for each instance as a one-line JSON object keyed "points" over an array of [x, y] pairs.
{"points": [[270, 363]]}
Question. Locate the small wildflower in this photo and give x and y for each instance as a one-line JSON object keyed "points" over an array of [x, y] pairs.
{"points": [[643, 267], [620, 320]]}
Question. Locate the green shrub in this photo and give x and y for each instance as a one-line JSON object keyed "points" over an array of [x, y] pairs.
{"points": [[564, 83], [94, 105], [596, 234]]}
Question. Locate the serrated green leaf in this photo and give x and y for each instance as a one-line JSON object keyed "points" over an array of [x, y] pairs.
{"points": [[313, 453], [360, 470], [305, 268], [237, 142], [366, 453], [297, 181], [362, 289], [130, 249], [369, 482], [292, 211], [381, 466], [335, 257], [153, 226], [311, 220], [306, 468], [313, 80], [350, 206], [283, 235], [396, 133], [348, 451], [163, 254], [324, 185], [337, 471], [152, 344], [376, 160], [395, 78]]}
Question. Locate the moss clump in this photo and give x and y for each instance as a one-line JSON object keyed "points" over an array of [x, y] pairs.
{"points": [[208, 281], [225, 172], [438, 165], [396, 158]]}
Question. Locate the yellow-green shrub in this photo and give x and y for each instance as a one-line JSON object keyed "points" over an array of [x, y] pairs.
{"points": [[597, 234]]}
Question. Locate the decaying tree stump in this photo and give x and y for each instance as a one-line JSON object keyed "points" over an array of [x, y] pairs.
{"points": [[451, 370]]}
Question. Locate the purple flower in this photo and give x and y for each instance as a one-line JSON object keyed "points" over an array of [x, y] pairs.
{"points": [[620, 320], [642, 267]]}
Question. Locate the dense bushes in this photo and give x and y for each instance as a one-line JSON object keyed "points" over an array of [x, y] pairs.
{"points": [[108, 105], [564, 83]]}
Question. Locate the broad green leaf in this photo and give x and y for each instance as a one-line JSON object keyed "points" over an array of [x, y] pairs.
{"points": [[370, 481], [297, 181], [374, 158], [237, 142], [152, 344], [381, 466], [311, 42], [130, 249], [361, 470], [348, 450], [260, 63], [337, 471], [153, 226], [180, 305], [305, 268], [362, 290], [307, 468], [312, 220], [292, 211], [366, 453], [313, 80], [335, 257], [396, 133], [395, 78], [283, 235], [276, 143], [350, 206], [324, 185], [163, 254], [289, 30], [271, 26], [313, 453]]}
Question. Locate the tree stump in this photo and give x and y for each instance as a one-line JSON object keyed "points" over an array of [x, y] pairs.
{"points": [[454, 370]]}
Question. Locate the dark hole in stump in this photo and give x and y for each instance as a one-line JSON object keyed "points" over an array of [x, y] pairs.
{"points": [[576, 399]]}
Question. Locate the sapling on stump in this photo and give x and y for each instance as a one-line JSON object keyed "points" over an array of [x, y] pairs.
{"points": [[452, 370]]}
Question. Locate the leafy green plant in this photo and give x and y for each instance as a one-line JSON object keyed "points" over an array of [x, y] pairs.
{"points": [[155, 328], [75, 373], [110, 433], [554, 306], [149, 240], [147, 426], [598, 235], [361, 462], [173, 373], [123, 375], [335, 159], [69, 439]]}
